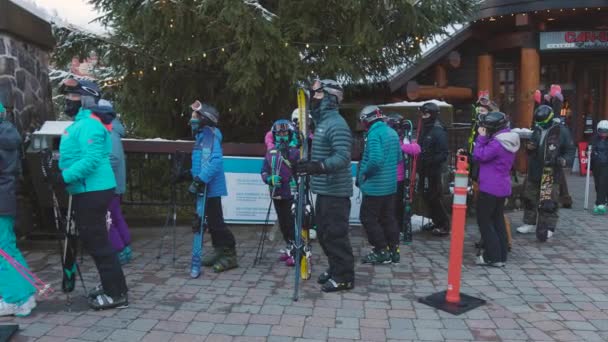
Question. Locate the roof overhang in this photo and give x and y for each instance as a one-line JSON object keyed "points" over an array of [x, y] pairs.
{"points": [[493, 8], [25, 25], [431, 57]]}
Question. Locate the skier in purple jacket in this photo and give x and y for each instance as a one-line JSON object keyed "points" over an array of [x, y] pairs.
{"points": [[494, 151], [277, 172]]}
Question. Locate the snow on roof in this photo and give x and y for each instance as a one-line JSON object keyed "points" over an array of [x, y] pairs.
{"points": [[53, 128], [415, 104], [31, 7]]}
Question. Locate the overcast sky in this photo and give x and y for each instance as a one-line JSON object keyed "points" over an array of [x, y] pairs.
{"points": [[77, 12]]}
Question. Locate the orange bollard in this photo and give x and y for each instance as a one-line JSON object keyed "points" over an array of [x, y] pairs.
{"points": [[452, 300]]}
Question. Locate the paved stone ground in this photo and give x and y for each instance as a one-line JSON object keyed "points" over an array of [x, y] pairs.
{"points": [[552, 291]]}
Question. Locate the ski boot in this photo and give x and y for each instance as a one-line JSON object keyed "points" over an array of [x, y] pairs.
{"points": [[105, 302], [526, 229], [68, 282], [285, 253], [210, 259], [333, 286], [18, 310], [376, 257], [480, 261], [395, 254], [324, 277], [195, 268], [226, 261], [599, 209]]}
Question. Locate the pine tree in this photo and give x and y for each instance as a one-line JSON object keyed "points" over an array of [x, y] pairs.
{"points": [[245, 56]]}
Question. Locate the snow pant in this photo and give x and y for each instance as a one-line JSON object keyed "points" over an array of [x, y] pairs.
{"points": [[119, 230], [286, 219], [14, 288], [332, 214], [90, 210], [399, 205], [543, 219], [433, 193], [491, 221], [221, 236], [564, 194], [600, 178], [378, 219]]}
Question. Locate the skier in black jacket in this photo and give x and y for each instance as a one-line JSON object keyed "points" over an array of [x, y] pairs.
{"points": [[434, 143]]}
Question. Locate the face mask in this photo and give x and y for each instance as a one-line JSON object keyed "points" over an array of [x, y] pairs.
{"points": [[72, 107], [315, 103], [195, 124], [281, 139]]}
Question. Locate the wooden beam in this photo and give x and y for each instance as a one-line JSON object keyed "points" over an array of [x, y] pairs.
{"points": [[421, 92], [441, 76], [512, 40], [485, 73], [530, 80]]}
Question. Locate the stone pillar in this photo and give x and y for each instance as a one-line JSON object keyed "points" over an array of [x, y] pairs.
{"points": [[529, 83], [485, 73]]}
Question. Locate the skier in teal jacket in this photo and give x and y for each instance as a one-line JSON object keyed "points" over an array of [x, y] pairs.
{"points": [[85, 170]]}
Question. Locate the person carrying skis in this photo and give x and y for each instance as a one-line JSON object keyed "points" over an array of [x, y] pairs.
{"points": [[376, 179], [599, 166], [277, 173], [332, 182], [433, 141], [119, 234], [396, 122], [550, 146], [208, 171], [86, 173], [16, 293], [494, 152]]}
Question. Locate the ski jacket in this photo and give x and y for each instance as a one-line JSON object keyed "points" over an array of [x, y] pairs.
{"points": [[433, 142], [411, 150], [286, 159], [269, 141], [332, 145], [10, 140], [84, 155], [381, 156], [207, 161], [536, 157], [117, 157], [495, 156], [599, 152]]}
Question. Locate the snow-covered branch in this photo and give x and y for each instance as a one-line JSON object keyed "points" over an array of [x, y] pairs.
{"points": [[265, 13]]}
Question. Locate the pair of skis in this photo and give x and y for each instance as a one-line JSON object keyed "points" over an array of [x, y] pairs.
{"points": [[69, 247], [303, 269], [409, 182], [197, 241]]}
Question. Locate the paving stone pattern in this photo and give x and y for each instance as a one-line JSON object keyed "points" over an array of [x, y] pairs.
{"points": [[553, 291]]}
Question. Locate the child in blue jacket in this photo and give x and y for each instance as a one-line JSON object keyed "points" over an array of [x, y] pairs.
{"points": [[208, 170]]}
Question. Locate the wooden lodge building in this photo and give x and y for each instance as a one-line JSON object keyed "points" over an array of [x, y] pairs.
{"points": [[513, 47]]}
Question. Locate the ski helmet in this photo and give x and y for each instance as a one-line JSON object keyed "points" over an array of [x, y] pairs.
{"points": [[429, 108], [394, 120], [332, 87], [494, 121], [208, 112], [543, 115], [282, 131], [88, 90], [370, 114], [602, 128]]}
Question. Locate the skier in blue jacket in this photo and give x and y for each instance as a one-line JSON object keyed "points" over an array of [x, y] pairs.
{"points": [[87, 175], [208, 171]]}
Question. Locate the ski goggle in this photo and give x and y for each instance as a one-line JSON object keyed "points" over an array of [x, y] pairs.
{"points": [[483, 101], [197, 106], [282, 127], [71, 85], [547, 120]]}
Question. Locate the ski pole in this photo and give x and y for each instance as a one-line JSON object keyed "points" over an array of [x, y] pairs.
{"points": [[588, 178], [260, 249], [42, 289]]}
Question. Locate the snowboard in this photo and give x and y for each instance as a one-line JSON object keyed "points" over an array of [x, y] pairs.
{"points": [[546, 204]]}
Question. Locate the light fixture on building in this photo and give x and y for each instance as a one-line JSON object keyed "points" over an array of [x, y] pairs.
{"points": [[492, 19], [550, 19]]}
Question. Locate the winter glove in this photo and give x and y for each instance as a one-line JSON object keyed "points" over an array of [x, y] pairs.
{"points": [[196, 224], [197, 186], [274, 181], [304, 167], [531, 146]]}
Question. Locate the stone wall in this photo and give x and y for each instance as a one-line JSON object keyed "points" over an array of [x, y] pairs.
{"points": [[24, 83]]}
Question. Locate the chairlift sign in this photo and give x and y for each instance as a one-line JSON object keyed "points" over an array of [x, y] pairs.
{"points": [[574, 40]]}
